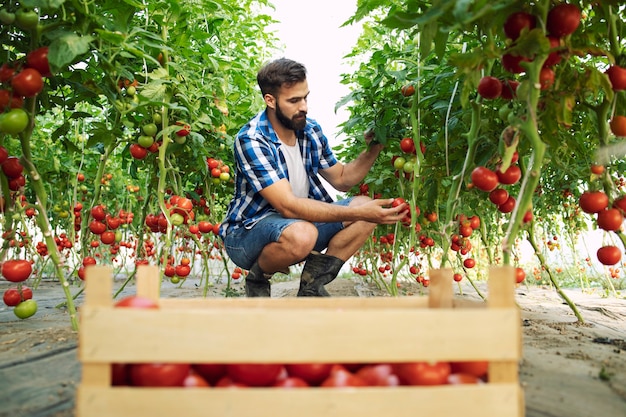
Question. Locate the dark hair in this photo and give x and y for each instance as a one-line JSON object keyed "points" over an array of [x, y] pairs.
{"points": [[280, 72]]}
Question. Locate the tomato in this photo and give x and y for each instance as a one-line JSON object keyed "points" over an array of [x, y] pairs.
{"points": [[8, 100], [617, 76], [120, 374], [26, 18], [313, 373], [254, 374], [107, 237], [25, 309], [511, 176], [6, 17], [145, 141], [227, 382], [159, 374], [509, 87], [610, 219], [422, 373], [407, 145], [211, 372], [474, 222], [597, 169], [520, 275], [150, 129], [137, 151], [498, 196], [15, 295], [476, 368], [113, 222], [593, 201], [618, 125], [27, 83], [183, 270], [291, 382], [563, 19], [14, 121], [184, 131], [546, 78], [379, 375], [205, 226], [408, 90], [469, 263], [489, 87], [97, 227], [193, 380], [484, 179], [38, 59], [136, 301], [609, 255], [341, 377], [555, 56], [508, 205], [16, 270], [460, 378], [7, 70], [518, 21], [620, 204], [98, 212], [89, 260], [511, 63]]}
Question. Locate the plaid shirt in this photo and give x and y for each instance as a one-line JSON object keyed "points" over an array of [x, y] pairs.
{"points": [[260, 164]]}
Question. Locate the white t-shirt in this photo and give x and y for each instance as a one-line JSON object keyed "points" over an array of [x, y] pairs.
{"points": [[295, 166]]}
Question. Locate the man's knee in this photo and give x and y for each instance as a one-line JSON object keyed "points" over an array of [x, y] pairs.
{"points": [[300, 238]]}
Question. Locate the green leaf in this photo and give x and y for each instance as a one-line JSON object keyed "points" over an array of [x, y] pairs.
{"points": [[64, 50]]}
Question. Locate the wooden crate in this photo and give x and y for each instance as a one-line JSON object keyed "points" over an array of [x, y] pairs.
{"points": [[291, 330]]}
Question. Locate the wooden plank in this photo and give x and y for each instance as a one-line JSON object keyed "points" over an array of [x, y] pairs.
{"points": [[303, 303], [98, 285], [487, 400], [148, 282], [441, 292], [323, 335]]}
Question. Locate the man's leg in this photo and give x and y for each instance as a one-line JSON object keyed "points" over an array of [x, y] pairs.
{"points": [[320, 269]]}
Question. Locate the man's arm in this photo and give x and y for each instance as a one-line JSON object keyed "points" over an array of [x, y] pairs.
{"points": [[280, 196], [345, 176]]}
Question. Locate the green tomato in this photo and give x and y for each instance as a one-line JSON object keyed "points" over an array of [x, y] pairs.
{"points": [[399, 162], [6, 17], [26, 19], [180, 139], [131, 90], [145, 141], [408, 166], [157, 118], [25, 309], [177, 219], [150, 129], [13, 122], [504, 112]]}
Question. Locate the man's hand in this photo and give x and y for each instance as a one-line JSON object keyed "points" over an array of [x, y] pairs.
{"points": [[379, 211]]}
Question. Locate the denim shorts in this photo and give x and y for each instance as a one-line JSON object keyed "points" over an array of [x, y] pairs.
{"points": [[244, 246]]}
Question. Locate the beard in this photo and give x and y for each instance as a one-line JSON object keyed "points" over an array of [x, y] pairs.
{"points": [[297, 122]]}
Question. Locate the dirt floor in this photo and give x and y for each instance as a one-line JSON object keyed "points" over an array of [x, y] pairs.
{"points": [[568, 369]]}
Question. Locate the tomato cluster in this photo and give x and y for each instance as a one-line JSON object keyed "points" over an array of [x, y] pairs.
{"points": [[220, 172], [324, 375], [19, 297], [13, 169]]}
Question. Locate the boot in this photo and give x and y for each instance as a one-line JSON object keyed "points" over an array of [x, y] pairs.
{"points": [[318, 271], [257, 283]]}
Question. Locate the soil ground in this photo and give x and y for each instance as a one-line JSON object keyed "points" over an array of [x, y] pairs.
{"points": [[568, 369]]}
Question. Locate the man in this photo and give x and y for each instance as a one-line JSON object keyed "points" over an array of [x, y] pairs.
{"points": [[281, 213]]}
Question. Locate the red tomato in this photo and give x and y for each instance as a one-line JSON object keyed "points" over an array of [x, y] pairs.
{"points": [[98, 212], [194, 380], [312, 373], [7, 70], [474, 222], [183, 270], [520, 275], [291, 382], [113, 222], [407, 145], [610, 219], [379, 375], [518, 21], [137, 151], [212, 372], [97, 227], [205, 227], [554, 57], [620, 204], [341, 377], [508, 205], [511, 63], [509, 87], [7, 99], [489, 87], [498, 196], [27, 83], [609, 255], [484, 179], [120, 374], [159, 374], [618, 125], [135, 301], [476, 368], [546, 78], [12, 167], [563, 19], [422, 373], [4, 154], [16, 270], [408, 90], [511, 176], [227, 382], [254, 374], [12, 297], [617, 76], [38, 59], [469, 263], [593, 201], [457, 379]]}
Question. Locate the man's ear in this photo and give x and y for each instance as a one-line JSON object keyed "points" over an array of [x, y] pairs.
{"points": [[270, 101]]}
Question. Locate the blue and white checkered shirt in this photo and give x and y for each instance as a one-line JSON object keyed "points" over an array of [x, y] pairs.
{"points": [[260, 164]]}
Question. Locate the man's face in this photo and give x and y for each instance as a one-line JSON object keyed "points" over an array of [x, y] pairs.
{"points": [[291, 106]]}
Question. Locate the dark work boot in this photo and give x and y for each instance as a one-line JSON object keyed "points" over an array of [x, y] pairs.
{"points": [[319, 270], [257, 283]]}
